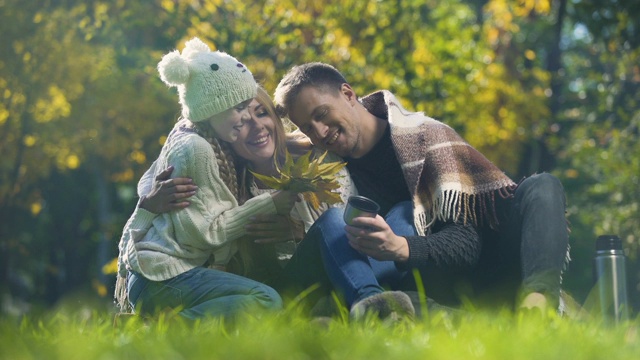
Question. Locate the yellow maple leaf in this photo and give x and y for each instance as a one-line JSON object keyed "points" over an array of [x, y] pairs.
{"points": [[314, 179]]}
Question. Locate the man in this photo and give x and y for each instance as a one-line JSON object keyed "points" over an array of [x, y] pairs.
{"points": [[446, 211]]}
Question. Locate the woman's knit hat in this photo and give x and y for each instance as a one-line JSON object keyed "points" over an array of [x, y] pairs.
{"points": [[208, 82]]}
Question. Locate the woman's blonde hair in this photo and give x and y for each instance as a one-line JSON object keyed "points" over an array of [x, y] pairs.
{"points": [[280, 133], [224, 158], [289, 137]]}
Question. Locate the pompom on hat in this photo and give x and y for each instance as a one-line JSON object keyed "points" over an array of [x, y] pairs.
{"points": [[208, 82]]}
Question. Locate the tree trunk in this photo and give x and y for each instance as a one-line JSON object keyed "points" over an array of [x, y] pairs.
{"points": [[537, 156], [4, 250], [104, 223], [554, 62]]}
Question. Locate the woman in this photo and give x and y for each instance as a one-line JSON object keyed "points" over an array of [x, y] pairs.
{"points": [[176, 260]]}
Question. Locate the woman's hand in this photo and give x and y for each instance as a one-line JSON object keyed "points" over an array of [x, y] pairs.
{"points": [[284, 201], [168, 194], [270, 229]]}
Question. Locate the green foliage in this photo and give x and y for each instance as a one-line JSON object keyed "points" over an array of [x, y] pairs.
{"points": [[500, 335], [599, 125]]}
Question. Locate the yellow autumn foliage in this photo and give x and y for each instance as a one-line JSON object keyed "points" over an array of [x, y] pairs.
{"points": [[314, 179]]}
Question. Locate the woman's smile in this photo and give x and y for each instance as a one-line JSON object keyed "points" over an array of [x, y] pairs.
{"points": [[260, 141]]}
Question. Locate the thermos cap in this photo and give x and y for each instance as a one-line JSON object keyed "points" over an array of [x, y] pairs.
{"points": [[608, 242]]}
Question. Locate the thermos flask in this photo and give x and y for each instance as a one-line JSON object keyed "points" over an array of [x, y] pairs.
{"points": [[611, 278]]}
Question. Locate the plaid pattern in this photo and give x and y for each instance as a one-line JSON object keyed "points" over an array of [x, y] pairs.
{"points": [[447, 178]]}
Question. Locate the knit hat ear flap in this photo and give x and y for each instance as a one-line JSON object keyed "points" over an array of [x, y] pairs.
{"points": [[173, 69]]}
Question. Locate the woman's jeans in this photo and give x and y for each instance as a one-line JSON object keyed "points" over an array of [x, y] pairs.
{"points": [[531, 246], [201, 292]]}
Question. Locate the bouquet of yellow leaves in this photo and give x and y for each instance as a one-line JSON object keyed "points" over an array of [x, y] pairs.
{"points": [[314, 179]]}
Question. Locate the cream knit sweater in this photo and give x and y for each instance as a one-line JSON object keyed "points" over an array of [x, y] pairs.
{"points": [[162, 246]]}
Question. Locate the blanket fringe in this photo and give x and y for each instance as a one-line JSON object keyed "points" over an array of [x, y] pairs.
{"points": [[121, 296], [454, 205], [423, 222]]}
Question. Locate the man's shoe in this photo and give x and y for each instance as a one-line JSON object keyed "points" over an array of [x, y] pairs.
{"points": [[388, 305]]}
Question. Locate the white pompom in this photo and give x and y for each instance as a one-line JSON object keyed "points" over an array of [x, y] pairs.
{"points": [[193, 47], [173, 69]]}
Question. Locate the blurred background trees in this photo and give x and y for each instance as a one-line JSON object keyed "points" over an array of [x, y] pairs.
{"points": [[537, 85]]}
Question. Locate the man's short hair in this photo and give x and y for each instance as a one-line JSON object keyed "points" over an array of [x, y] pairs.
{"points": [[319, 75]]}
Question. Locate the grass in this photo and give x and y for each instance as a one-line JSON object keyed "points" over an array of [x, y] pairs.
{"points": [[92, 334]]}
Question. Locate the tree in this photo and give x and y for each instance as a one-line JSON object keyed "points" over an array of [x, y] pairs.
{"points": [[43, 50], [67, 112], [600, 120]]}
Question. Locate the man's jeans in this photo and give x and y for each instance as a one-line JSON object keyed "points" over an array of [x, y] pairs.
{"points": [[532, 246], [536, 216], [201, 292], [354, 275]]}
